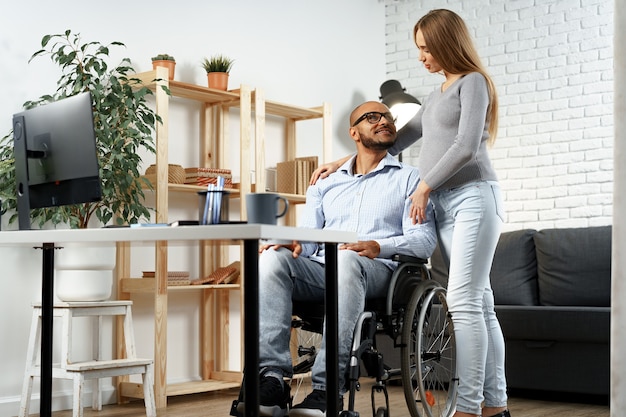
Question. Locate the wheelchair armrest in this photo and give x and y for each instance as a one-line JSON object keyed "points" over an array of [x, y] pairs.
{"points": [[409, 259]]}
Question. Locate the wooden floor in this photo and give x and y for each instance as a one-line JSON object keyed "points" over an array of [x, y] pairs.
{"points": [[218, 404]]}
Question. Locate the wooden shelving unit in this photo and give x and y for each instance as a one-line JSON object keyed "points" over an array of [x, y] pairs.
{"points": [[214, 309]]}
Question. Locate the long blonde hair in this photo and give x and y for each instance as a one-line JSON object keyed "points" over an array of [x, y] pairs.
{"points": [[449, 42]]}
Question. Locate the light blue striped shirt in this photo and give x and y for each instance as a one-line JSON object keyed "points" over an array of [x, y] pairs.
{"points": [[374, 205]]}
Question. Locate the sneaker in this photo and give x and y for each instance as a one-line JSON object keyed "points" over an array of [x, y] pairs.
{"points": [[273, 398], [314, 405]]}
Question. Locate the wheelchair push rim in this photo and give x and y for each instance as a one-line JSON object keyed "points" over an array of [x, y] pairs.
{"points": [[428, 353]]}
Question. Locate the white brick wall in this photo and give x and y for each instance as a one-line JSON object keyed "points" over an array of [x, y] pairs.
{"points": [[552, 62]]}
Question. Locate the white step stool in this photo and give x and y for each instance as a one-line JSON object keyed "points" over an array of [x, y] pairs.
{"points": [[87, 370]]}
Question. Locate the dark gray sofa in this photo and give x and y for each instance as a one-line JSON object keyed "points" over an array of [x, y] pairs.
{"points": [[552, 290]]}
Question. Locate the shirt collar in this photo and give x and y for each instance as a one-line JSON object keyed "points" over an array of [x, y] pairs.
{"points": [[388, 160]]}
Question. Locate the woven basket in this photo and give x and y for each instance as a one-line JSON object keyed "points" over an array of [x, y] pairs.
{"points": [[205, 176], [175, 174]]}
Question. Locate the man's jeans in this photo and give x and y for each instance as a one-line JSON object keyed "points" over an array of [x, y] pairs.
{"points": [[283, 278]]}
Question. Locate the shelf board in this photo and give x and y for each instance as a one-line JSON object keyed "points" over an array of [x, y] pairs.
{"points": [[203, 287], [195, 188], [191, 91], [234, 192], [190, 188], [294, 198], [293, 112], [148, 285], [202, 94], [135, 390], [199, 386], [185, 187]]}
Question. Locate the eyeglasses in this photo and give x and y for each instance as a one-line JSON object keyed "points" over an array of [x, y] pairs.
{"points": [[374, 117]]}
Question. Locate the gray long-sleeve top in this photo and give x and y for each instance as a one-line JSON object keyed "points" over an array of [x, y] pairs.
{"points": [[454, 132]]}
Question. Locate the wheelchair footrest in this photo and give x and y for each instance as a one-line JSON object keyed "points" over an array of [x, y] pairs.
{"points": [[374, 364]]}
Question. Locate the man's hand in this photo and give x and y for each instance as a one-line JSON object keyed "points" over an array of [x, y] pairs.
{"points": [[369, 248], [295, 247]]}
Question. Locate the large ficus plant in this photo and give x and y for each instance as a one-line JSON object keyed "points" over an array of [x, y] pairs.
{"points": [[124, 125]]}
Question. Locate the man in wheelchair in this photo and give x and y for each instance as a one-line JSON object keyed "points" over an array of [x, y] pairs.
{"points": [[368, 194]]}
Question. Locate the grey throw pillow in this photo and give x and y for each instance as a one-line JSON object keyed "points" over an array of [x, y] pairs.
{"points": [[574, 266], [514, 269]]}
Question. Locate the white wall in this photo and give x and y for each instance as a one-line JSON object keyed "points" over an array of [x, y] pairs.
{"points": [[298, 52], [552, 62]]}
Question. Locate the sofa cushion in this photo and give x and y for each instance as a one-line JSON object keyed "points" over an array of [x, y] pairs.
{"points": [[555, 323], [574, 266], [514, 269]]}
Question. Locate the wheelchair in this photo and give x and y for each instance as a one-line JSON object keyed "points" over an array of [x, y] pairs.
{"points": [[415, 315]]}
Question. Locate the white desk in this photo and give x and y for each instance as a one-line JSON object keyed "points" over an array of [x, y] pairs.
{"points": [[249, 233]]}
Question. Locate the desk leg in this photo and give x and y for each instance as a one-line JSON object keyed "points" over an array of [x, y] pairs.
{"points": [[332, 329], [251, 329], [251, 326], [47, 302]]}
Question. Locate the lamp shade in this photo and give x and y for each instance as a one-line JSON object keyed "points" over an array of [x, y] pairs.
{"points": [[402, 105]]}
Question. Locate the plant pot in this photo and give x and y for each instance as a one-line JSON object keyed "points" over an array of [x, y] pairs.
{"points": [[170, 65], [84, 273], [218, 80]]}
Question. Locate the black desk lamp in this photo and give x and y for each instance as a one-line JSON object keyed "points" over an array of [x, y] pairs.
{"points": [[402, 105]]}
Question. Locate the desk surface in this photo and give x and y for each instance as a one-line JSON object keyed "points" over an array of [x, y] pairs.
{"points": [[181, 233], [246, 232]]}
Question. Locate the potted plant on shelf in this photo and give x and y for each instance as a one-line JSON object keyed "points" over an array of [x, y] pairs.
{"points": [[124, 124], [218, 68], [167, 61]]}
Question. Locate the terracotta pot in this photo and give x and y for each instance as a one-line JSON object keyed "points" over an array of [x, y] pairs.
{"points": [[218, 80], [170, 65]]}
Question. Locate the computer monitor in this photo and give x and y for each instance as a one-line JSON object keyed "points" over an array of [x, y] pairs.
{"points": [[56, 160]]}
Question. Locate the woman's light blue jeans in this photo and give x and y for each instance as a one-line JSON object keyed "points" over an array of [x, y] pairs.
{"points": [[283, 278], [469, 220]]}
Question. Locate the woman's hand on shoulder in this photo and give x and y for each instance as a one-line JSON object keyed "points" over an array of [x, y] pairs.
{"points": [[325, 170]]}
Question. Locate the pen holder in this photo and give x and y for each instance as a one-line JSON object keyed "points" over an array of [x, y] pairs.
{"points": [[213, 206]]}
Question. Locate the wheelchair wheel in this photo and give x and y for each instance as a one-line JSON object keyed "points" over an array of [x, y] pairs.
{"points": [[305, 347], [428, 354]]}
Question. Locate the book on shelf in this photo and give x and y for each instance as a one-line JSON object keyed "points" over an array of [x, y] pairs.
{"points": [[292, 177]]}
